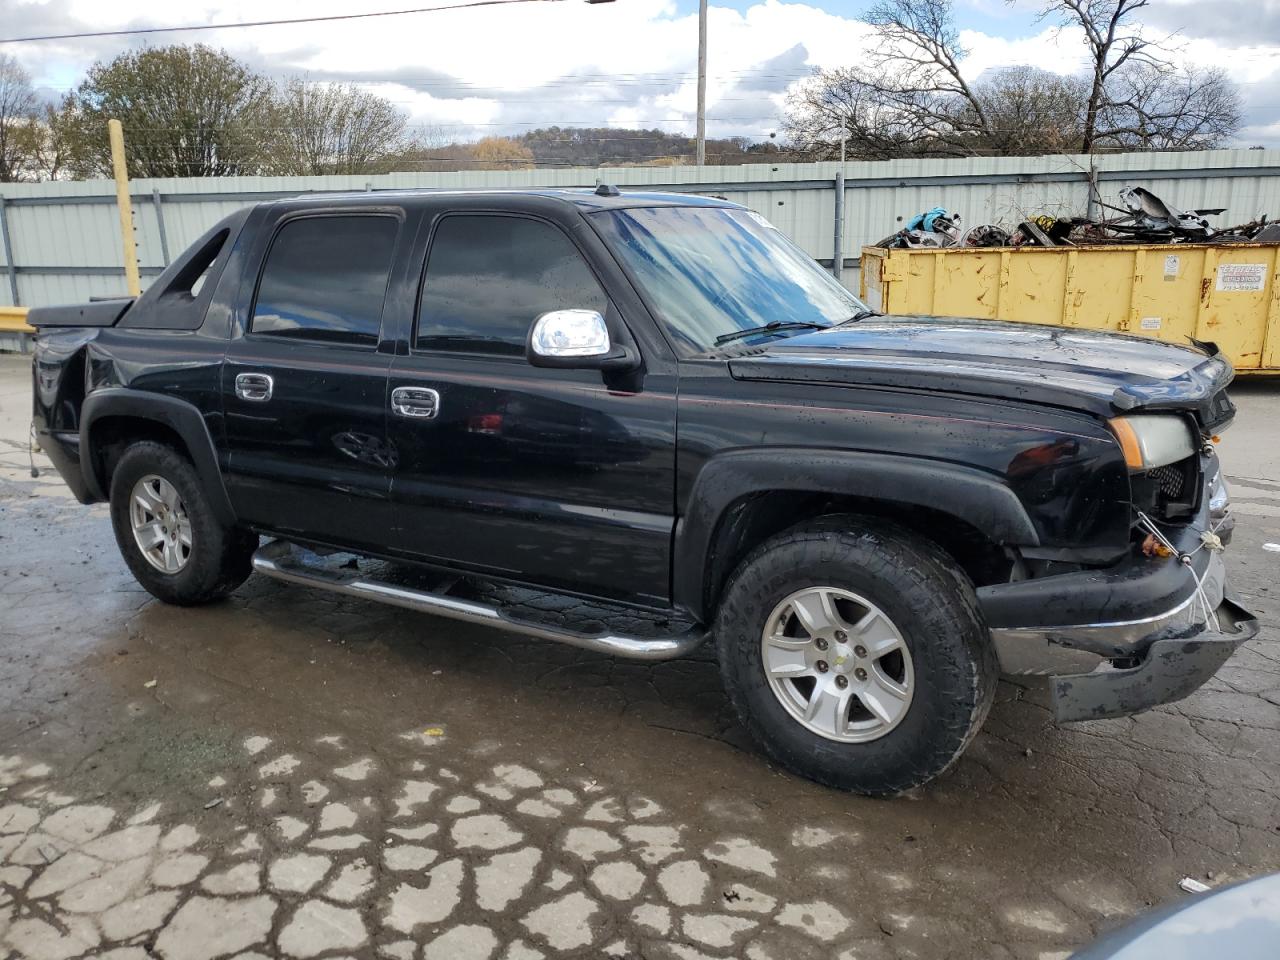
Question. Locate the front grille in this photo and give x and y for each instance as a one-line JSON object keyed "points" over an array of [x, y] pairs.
{"points": [[1170, 492], [1170, 479]]}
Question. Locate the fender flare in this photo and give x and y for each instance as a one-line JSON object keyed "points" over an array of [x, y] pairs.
{"points": [[181, 417], [966, 493]]}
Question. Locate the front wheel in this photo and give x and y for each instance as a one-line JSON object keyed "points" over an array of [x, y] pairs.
{"points": [[169, 534], [855, 654]]}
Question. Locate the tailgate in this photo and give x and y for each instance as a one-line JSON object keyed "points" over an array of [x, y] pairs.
{"points": [[101, 313]]}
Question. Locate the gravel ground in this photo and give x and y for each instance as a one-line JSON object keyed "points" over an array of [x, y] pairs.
{"points": [[289, 774]]}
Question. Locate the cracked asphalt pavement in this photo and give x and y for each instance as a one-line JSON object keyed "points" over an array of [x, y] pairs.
{"points": [[290, 774]]}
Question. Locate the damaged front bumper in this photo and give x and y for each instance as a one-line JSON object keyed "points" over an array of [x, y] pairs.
{"points": [[1172, 667], [1159, 628]]}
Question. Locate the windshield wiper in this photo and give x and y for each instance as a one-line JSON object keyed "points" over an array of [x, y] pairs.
{"points": [[862, 315], [770, 328]]}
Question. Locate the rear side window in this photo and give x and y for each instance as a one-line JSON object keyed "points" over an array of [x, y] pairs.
{"points": [[326, 278], [489, 277]]}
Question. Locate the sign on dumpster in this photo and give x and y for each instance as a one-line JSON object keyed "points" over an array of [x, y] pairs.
{"points": [[1242, 276]]}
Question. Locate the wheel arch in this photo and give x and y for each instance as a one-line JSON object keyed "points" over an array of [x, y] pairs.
{"points": [[743, 497], [112, 418]]}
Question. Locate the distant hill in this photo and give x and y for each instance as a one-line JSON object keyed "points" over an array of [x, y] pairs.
{"points": [[610, 146], [581, 147]]}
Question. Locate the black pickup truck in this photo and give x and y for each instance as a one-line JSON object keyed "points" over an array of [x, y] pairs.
{"points": [[632, 422]]}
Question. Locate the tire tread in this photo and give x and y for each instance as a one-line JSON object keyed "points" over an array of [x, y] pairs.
{"points": [[941, 593], [220, 558]]}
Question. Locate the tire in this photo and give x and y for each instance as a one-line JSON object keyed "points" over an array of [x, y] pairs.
{"points": [[943, 659], [207, 559]]}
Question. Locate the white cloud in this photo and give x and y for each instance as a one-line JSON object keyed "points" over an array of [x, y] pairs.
{"points": [[628, 63], [1051, 49]]}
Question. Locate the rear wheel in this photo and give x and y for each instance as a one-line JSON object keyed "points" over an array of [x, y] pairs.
{"points": [[855, 654], [167, 531]]}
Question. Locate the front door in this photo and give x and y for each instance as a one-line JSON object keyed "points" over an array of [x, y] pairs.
{"points": [[560, 478], [304, 388]]}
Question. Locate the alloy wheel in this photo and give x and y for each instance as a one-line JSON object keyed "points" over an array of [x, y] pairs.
{"points": [[161, 527], [837, 664]]}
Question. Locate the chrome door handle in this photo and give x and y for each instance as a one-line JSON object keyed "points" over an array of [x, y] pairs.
{"points": [[418, 403], [254, 386]]}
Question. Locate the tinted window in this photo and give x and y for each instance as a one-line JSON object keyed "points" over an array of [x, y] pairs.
{"points": [[325, 279], [488, 278]]}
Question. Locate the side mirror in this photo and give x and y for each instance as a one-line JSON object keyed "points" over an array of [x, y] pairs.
{"points": [[577, 339]]}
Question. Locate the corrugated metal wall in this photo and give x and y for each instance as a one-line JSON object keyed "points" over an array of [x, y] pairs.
{"points": [[65, 242]]}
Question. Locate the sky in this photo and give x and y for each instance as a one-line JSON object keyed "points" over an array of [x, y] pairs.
{"points": [[631, 63]]}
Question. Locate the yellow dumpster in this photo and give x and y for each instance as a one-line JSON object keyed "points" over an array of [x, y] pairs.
{"points": [[1227, 293]]}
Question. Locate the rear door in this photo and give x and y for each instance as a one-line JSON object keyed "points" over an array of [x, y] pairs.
{"points": [[562, 478], [304, 385]]}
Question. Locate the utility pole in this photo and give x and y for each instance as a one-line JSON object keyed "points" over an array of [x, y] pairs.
{"points": [[837, 252], [1094, 199], [125, 206], [702, 82]]}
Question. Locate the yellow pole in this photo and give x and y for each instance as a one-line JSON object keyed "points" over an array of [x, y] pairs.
{"points": [[125, 206]]}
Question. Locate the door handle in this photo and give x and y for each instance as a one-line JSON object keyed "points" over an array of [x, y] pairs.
{"points": [[254, 386], [417, 403]]}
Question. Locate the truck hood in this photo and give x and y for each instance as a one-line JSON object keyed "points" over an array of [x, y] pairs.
{"points": [[1103, 373]]}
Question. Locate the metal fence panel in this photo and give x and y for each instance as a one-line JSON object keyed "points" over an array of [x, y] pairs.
{"points": [[66, 243]]}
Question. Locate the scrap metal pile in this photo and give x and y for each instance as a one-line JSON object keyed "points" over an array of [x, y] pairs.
{"points": [[1145, 218]]}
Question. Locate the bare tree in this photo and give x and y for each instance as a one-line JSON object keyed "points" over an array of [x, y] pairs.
{"points": [[848, 104], [1111, 44], [18, 113], [912, 96], [1137, 99], [1015, 111], [1159, 107], [1030, 111], [332, 128], [427, 148], [918, 63]]}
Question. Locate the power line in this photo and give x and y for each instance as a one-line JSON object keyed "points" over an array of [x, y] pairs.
{"points": [[569, 80], [271, 23], [428, 125], [678, 159]]}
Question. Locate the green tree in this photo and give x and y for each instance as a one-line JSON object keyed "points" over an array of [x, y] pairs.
{"points": [[187, 111], [44, 145]]}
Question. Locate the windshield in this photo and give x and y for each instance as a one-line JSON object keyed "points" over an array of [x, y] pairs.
{"points": [[712, 271]]}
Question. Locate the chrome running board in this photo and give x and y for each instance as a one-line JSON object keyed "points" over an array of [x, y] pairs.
{"points": [[285, 561]]}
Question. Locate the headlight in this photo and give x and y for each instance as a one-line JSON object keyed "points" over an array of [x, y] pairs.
{"points": [[1153, 440]]}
